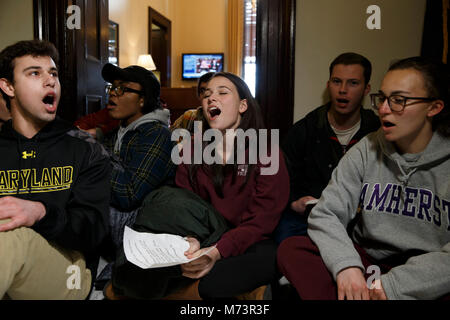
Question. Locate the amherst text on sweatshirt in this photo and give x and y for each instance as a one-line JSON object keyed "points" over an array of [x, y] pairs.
{"points": [[417, 203]]}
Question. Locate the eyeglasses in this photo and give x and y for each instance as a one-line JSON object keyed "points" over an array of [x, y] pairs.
{"points": [[120, 90], [395, 102]]}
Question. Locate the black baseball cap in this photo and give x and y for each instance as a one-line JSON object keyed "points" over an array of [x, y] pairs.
{"points": [[146, 78]]}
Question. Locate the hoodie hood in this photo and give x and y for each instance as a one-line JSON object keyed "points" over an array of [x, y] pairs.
{"points": [[159, 115], [437, 151], [53, 129]]}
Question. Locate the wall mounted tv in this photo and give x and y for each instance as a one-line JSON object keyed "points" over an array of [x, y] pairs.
{"points": [[196, 64]]}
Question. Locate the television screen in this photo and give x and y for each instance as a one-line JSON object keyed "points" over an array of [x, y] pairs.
{"points": [[196, 64]]}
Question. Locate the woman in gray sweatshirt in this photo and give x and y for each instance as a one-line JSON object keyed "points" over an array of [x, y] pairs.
{"points": [[381, 229]]}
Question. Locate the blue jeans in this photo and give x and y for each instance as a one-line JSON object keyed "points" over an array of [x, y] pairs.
{"points": [[291, 224]]}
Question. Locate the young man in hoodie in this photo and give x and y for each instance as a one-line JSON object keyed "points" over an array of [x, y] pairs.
{"points": [[53, 211], [316, 143], [141, 147]]}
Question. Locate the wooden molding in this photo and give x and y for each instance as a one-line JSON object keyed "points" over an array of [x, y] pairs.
{"points": [[275, 58]]}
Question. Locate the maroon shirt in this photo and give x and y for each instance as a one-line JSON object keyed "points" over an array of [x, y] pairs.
{"points": [[254, 211], [100, 119]]}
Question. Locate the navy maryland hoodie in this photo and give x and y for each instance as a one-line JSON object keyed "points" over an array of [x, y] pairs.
{"points": [[66, 171]]}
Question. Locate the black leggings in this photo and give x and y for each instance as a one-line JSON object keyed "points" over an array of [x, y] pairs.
{"points": [[236, 275]]}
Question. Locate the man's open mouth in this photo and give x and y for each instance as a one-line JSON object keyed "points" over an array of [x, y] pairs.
{"points": [[388, 124], [342, 100], [49, 99]]}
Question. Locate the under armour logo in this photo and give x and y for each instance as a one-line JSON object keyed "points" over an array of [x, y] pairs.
{"points": [[26, 155]]}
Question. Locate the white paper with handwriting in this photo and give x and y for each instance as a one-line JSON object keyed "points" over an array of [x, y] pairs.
{"points": [[150, 250]]}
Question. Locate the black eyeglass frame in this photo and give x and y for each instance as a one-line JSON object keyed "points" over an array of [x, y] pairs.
{"points": [[373, 96], [109, 88]]}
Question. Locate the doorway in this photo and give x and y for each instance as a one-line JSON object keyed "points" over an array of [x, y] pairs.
{"points": [[159, 44]]}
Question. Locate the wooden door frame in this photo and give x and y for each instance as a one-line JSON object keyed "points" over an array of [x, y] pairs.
{"points": [[275, 60], [157, 18], [48, 26]]}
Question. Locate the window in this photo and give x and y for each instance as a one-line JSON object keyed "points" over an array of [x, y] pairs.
{"points": [[249, 72], [113, 43]]}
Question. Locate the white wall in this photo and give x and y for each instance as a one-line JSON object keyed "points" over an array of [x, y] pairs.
{"points": [[326, 28], [197, 26], [16, 21], [132, 17]]}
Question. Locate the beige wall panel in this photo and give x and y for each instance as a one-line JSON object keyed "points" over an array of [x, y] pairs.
{"points": [[198, 26], [326, 28], [16, 21]]}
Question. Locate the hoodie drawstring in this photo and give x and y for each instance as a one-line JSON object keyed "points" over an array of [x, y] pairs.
{"points": [[35, 154], [405, 176], [19, 150]]}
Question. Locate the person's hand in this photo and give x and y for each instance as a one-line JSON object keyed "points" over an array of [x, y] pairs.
{"points": [[92, 132], [376, 291], [352, 285], [200, 267], [194, 245], [300, 204], [23, 213]]}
